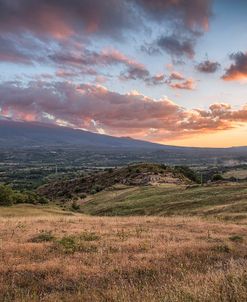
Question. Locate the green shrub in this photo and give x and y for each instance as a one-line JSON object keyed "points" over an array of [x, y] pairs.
{"points": [[187, 172], [222, 248], [43, 237], [67, 244], [83, 195], [95, 189], [68, 195], [33, 198], [236, 238], [88, 236], [217, 177], [19, 198], [77, 189], [75, 206], [72, 244], [6, 195], [42, 200]]}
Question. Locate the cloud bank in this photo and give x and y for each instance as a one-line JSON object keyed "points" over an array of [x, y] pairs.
{"points": [[95, 108]]}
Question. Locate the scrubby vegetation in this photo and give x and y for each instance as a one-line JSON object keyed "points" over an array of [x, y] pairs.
{"points": [[217, 177], [189, 173], [8, 196], [132, 175], [43, 236]]}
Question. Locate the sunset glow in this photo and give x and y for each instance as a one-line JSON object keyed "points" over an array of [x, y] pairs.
{"points": [[172, 72]]}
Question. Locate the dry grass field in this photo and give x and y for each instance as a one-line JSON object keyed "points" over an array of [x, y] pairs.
{"points": [[81, 258], [237, 173], [27, 210]]}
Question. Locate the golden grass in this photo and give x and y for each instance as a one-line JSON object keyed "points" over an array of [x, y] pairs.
{"points": [[237, 173], [28, 210], [81, 258]]}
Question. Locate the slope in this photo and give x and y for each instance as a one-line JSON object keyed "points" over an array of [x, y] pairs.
{"points": [[226, 201]]}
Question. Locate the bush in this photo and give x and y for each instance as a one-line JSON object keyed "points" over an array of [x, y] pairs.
{"points": [[43, 237], [163, 166], [42, 200], [68, 244], [83, 195], [236, 238], [6, 195], [75, 206], [19, 198], [88, 236], [223, 248], [77, 189], [96, 188], [72, 244], [187, 172], [31, 197], [217, 177]]}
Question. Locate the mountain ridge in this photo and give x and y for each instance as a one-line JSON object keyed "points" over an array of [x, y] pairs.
{"points": [[36, 134]]}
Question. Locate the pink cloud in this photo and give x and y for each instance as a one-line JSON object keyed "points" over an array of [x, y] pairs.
{"points": [[95, 107], [188, 84], [176, 80], [238, 70], [62, 18]]}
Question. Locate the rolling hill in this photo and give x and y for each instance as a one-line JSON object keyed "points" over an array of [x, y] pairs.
{"points": [[131, 175], [222, 201]]}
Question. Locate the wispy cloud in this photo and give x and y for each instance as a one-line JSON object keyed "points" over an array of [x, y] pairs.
{"points": [[177, 47]]}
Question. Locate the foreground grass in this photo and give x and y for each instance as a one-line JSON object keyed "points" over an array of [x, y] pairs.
{"points": [[80, 258], [226, 201]]}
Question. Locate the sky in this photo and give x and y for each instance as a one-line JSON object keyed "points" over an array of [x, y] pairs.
{"points": [[167, 71]]}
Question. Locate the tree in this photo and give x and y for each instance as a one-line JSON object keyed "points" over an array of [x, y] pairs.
{"points": [[19, 198], [187, 172], [6, 195]]}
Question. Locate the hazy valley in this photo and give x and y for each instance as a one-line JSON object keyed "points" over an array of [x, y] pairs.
{"points": [[109, 223]]}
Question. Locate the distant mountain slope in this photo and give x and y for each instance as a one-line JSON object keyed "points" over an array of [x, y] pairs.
{"points": [[37, 134], [28, 134]]}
